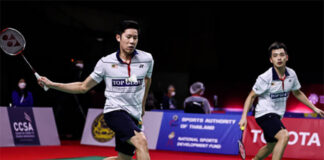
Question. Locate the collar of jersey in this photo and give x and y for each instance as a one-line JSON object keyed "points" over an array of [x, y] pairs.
{"points": [[120, 60], [275, 75]]}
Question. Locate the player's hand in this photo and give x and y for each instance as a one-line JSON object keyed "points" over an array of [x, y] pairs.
{"points": [[243, 123], [44, 81], [319, 112]]}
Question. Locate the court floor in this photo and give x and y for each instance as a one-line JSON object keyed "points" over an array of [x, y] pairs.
{"points": [[72, 150]]}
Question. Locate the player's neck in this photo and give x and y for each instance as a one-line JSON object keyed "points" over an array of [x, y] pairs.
{"points": [[125, 57], [280, 71]]}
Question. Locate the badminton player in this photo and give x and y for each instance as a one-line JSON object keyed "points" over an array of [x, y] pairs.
{"points": [[127, 74], [272, 89]]}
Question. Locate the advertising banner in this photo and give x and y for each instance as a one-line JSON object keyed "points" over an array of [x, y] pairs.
{"points": [[96, 131], [209, 133], [306, 138], [6, 138], [23, 126]]}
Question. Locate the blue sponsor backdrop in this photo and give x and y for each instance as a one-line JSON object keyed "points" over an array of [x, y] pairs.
{"points": [[208, 133], [23, 126]]}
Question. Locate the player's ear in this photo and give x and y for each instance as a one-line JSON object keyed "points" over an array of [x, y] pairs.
{"points": [[118, 37], [270, 60], [287, 57]]}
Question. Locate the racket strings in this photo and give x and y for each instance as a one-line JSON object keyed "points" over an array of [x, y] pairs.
{"points": [[12, 42]]}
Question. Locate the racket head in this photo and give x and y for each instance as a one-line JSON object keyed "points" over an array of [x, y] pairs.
{"points": [[12, 42], [241, 149]]}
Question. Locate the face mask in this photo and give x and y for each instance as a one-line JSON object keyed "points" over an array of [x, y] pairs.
{"points": [[22, 85], [79, 65], [173, 93]]}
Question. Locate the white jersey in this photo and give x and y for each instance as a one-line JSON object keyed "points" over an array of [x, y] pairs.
{"points": [[273, 92], [121, 93]]}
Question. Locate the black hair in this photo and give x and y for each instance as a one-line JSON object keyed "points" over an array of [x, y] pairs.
{"points": [[277, 45], [126, 24]]}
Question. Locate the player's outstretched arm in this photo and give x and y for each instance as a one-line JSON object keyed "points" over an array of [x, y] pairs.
{"points": [[73, 88], [247, 105], [302, 98]]}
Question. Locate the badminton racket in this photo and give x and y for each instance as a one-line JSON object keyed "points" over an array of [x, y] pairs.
{"points": [[241, 145], [12, 42]]}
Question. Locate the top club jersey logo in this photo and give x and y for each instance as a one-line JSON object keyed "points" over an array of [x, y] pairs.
{"points": [[126, 83]]}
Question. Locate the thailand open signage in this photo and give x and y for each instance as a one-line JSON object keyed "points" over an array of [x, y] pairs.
{"points": [[207, 133], [23, 126]]}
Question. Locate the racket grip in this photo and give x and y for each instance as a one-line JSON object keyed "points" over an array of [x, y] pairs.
{"points": [[38, 77]]}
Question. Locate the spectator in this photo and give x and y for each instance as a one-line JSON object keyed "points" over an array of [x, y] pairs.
{"points": [[21, 97], [196, 103], [169, 101]]}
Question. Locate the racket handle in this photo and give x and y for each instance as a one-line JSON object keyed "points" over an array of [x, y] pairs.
{"points": [[38, 77]]}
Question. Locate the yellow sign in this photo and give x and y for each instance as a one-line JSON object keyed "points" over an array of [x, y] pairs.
{"points": [[100, 131]]}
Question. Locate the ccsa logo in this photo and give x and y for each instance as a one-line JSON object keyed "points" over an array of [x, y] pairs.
{"points": [[23, 126], [100, 131]]}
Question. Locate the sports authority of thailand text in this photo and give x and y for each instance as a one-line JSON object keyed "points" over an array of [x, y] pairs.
{"points": [[202, 124]]}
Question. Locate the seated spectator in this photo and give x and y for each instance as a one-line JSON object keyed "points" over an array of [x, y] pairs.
{"points": [[169, 101], [20, 96], [196, 103]]}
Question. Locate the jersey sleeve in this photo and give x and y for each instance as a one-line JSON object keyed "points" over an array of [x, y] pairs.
{"points": [[98, 72], [150, 70], [260, 86], [296, 85]]}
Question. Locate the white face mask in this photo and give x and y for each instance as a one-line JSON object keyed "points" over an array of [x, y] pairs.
{"points": [[22, 85], [79, 65], [173, 93]]}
